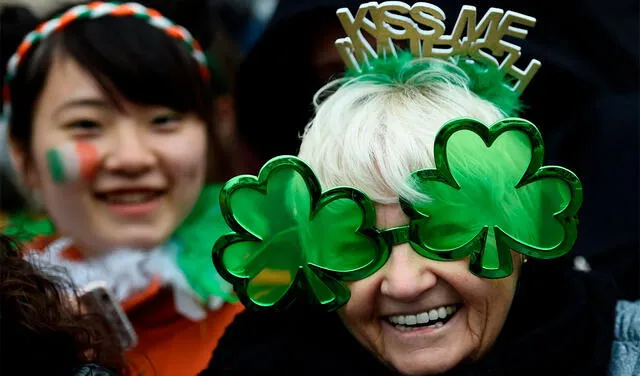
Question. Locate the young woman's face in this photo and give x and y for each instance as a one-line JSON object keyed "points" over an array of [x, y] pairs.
{"points": [[111, 175], [422, 316]]}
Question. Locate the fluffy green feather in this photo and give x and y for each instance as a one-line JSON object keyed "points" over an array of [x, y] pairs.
{"points": [[196, 235], [485, 80], [490, 84], [25, 226]]}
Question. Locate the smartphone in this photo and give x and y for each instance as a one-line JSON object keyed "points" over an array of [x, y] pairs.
{"points": [[96, 298]]}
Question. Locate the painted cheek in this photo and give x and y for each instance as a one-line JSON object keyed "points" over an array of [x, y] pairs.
{"points": [[73, 161]]}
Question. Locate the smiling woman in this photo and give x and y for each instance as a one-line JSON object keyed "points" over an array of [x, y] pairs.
{"points": [[417, 226], [152, 158], [110, 113], [418, 315], [148, 120]]}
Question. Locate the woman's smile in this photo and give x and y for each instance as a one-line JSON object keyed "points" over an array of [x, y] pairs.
{"points": [[428, 321], [132, 202], [133, 205]]}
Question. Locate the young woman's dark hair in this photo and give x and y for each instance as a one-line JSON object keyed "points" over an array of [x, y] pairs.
{"points": [[41, 331], [126, 56]]}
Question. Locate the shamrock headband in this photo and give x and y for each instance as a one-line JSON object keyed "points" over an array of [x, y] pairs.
{"points": [[488, 194], [97, 10], [293, 241], [422, 26]]}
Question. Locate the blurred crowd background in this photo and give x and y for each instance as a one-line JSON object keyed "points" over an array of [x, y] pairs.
{"points": [[268, 57]]}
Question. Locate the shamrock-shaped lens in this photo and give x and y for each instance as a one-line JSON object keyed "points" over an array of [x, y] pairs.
{"points": [[291, 240], [489, 195]]}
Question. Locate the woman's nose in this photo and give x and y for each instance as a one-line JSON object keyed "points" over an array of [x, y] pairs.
{"points": [[129, 151], [406, 274]]}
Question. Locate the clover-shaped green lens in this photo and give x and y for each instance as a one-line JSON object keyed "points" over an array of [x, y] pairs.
{"points": [[290, 239], [489, 195]]}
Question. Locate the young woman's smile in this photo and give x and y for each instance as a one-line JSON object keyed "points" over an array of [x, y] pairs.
{"points": [[134, 202]]}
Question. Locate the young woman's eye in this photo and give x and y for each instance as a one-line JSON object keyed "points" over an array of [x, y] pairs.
{"points": [[84, 127], [166, 120], [84, 124]]}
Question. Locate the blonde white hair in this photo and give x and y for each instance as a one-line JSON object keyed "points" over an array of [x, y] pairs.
{"points": [[372, 131]]}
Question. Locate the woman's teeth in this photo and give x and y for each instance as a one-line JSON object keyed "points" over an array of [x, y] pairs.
{"points": [[130, 198], [434, 318]]}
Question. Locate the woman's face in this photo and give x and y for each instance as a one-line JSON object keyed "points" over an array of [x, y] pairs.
{"points": [[138, 169], [423, 316]]}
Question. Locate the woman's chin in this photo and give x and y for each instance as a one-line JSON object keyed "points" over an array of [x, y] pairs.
{"points": [[427, 350], [136, 240], [143, 236], [423, 363]]}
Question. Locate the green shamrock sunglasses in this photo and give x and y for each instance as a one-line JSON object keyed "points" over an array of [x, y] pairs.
{"points": [[487, 196]]}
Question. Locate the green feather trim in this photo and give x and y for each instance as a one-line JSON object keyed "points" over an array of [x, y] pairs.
{"points": [[492, 85], [390, 70], [196, 236], [25, 226], [485, 80]]}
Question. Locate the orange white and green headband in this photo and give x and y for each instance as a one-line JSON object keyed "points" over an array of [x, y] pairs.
{"points": [[95, 10]]}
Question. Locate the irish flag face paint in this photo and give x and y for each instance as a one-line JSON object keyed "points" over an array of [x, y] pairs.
{"points": [[73, 161]]}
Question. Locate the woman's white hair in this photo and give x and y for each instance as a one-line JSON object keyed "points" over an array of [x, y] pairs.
{"points": [[374, 130]]}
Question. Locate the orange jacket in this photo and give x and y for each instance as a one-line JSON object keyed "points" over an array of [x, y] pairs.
{"points": [[170, 344]]}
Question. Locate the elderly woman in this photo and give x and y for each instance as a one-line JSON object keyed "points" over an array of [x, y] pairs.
{"points": [[413, 236]]}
